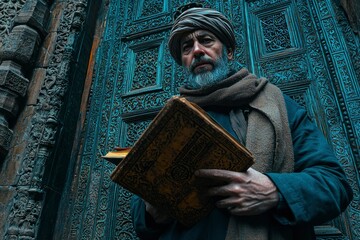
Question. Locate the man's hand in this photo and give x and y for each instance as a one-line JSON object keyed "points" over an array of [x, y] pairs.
{"points": [[242, 193], [158, 216]]}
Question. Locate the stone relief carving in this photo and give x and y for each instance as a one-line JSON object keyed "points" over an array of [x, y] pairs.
{"points": [[330, 102], [9, 9], [95, 200], [276, 34], [28, 201]]}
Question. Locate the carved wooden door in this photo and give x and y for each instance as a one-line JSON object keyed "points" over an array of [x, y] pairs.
{"points": [[297, 44]]}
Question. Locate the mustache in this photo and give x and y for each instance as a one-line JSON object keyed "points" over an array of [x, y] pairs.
{"points": [[201, 60]]}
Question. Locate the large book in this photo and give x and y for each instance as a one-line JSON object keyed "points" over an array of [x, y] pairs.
{"points": [[160, 166]]}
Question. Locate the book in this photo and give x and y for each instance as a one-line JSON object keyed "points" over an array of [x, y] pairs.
{"points": [[116, 155], [160, 167]]}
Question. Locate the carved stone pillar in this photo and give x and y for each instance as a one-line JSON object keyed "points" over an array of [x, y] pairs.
{"points": [[17, 54], [55, 72]]}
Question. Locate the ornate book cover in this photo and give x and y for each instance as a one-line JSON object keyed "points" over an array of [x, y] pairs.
{"points": [[160, 166]]}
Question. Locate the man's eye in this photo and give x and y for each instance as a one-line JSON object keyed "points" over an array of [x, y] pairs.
{"points": [[186, 48], [207, 40]]}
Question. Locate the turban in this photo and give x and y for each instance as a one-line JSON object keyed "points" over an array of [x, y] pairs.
{"points": [[200, 19]]}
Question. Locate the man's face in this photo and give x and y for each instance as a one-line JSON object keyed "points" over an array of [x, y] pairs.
{"points": [[200, 50], [205, 58]]}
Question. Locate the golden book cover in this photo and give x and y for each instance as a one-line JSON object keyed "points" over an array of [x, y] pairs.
{"points": [[160, 166], [116, 155]]}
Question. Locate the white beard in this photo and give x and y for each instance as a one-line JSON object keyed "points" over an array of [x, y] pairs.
{"points": [[208, 78]]}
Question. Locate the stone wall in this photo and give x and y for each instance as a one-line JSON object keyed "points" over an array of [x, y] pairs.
{"points": [[44, 52]]}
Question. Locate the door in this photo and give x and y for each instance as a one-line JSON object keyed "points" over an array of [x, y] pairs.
{"points": [[297, 44]]}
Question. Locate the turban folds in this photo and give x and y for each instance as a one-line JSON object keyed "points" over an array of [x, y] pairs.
{"points": [[200, 19]]}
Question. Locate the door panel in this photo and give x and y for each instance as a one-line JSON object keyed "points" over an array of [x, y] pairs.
{"points": [[296, 44]]}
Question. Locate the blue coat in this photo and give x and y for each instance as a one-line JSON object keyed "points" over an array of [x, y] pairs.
{"points": [[316, 192]]}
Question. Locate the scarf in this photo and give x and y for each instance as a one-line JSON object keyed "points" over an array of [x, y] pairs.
{"points": [[267, 136]]}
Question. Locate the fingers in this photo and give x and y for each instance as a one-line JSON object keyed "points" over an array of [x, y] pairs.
{"points": [[241, 193], [238, 206], [219, 175], [232, 189]]}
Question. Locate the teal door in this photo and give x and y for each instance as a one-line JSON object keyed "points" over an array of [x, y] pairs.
{"points": [[304, 46]]}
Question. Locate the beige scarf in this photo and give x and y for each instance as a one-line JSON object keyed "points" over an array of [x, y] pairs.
{"points": [[268, 137]]}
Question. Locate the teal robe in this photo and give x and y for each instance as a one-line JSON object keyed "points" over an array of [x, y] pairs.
{"points": [[316, 192]]}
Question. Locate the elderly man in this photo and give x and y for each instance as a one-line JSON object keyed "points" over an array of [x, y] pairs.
{"points": [[296, 180]]}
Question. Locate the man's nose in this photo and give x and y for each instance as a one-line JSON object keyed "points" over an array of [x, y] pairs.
{"points": [[198, 49]]}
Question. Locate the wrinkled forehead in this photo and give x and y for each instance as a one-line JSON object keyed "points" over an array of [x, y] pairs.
{"points": [[191, 36]]}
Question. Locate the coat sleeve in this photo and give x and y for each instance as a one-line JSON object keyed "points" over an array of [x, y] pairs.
{"points": [[318, 190], [144, 226]]}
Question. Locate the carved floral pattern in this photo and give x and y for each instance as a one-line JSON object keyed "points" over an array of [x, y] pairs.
{"points": [[151, 7], [28, 202], [134, 131], [293, 68], [145, 70], [330, 99], [8, 9], [260, 4], [100, 209], [276, 32]]}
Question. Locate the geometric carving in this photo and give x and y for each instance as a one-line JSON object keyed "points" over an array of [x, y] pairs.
{"points": [[8, 104], [337, 84], [344, 73], [134, 131], [332, 35], [294, 88], [5, 137], [12, 78], [150, 7], [8, 110], [286, 69], [79, 16], [8, 10], [354, 108], [144, 67], [22, 220], [146, 17], [276, 34], [34, 14], [132, 60], [20, 45], [275, 29]]}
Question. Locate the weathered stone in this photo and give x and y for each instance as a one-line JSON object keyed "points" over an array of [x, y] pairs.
{"points": [[34, 88], [20, 46], [5, 137], [8, 104], [11, 78], [6, 194], [46, 50], [35, 14]]}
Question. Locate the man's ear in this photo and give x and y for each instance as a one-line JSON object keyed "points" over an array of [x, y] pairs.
{"points": [[230, 53]]}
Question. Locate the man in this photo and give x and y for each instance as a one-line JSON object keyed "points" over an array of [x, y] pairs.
{"points": [[296, 181]]}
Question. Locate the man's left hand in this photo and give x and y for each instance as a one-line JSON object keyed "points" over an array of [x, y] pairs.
{"points": [[242, 193]]}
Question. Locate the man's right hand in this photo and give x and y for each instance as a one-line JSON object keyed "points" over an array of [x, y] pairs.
{"points": [[159, 216]]}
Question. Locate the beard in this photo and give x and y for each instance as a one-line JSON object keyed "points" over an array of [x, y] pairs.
{"points": [[208, 78]]}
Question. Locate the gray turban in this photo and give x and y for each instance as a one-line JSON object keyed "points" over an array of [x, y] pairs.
{"points": [[200, 19]]}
